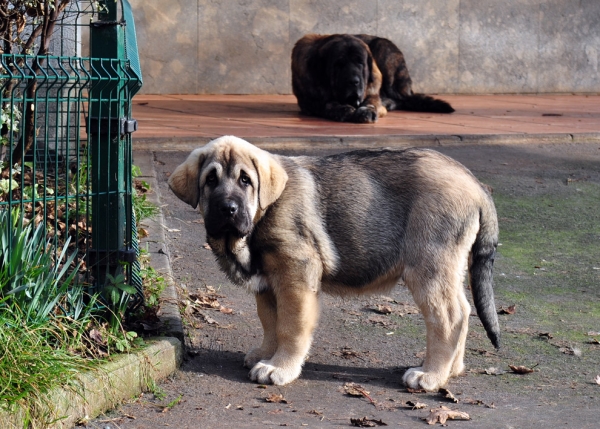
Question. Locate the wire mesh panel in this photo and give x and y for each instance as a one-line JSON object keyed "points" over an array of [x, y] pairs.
{"points": [[65, 148], [47, 169]]}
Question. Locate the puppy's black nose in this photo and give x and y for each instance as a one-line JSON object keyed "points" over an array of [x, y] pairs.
{"points": [[229, 208]]}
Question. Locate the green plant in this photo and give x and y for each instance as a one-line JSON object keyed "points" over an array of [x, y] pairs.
{"points": [[116, 292], [154, 283], [36, 357], [9, 122], [142, 208], [33, 275], [174, 402], [43, 316]]}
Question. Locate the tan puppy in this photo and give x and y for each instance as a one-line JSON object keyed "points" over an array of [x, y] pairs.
{"points": [[289, 228]]}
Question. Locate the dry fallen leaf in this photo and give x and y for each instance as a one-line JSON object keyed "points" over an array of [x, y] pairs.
{"points": [[494, 371], [207, 246], [440, 415], [208, 319], [521, 369], [354, 389], [482, 352], [226, 310], [96, 336], [478, 402], [508, 310], [347, 353], [382, 309], [380, 320], [570, 351], [204, 301], [597, 380], [416, 405], [276, 398], [448, 395], [365, 422]]}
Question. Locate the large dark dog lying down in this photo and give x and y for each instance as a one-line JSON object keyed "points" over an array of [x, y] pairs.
{"points": [[290, 228], [354, 78]]}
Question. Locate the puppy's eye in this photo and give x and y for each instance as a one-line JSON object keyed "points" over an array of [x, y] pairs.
{"points": [[245, 180], [211, 179]]}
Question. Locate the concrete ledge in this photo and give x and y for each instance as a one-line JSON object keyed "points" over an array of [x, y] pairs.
{"points": [[157, 246], [102, 389], [361, 142]]}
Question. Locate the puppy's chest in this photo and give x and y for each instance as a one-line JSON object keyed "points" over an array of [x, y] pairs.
{"points": [[235, 258]]}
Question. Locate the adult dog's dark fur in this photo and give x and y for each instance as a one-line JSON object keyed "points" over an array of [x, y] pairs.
{"points": [[289, 228], [354, 78]]}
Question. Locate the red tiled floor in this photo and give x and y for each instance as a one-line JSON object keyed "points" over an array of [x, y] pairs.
{"points": [[176, 118]]}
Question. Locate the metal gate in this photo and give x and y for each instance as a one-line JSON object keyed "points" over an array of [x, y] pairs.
{"points": [[66, 143]]}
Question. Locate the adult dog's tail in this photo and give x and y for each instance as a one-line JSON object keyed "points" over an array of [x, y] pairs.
{"points": [[481, 262], [422, 103]]}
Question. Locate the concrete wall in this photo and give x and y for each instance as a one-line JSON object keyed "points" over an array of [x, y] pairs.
{"points": [[451, 46]]}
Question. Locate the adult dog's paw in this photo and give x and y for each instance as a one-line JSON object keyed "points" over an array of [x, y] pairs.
{"points": [[416, 378], [340, 112], [264, 372], [256, 355], [365, 114]]}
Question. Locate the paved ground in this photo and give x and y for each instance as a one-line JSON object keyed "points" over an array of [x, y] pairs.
{"points": [[547, 197]]}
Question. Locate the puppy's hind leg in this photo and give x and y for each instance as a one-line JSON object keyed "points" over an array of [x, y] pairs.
{"points": [[446, 312], [458, 365], [266, 306]]}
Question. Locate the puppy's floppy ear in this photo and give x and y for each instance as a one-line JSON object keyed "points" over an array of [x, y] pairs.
{"points": [[271, 177], [184, 182]]}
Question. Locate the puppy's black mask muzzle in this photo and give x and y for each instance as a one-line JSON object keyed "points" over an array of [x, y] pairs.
{"points": [[227, 217]]}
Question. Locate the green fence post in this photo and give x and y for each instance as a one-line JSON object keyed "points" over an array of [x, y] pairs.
{"points": [[108, 153]]}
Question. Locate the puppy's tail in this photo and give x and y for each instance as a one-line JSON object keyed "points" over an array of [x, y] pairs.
{"points": [[422, 103], [481, 262]]}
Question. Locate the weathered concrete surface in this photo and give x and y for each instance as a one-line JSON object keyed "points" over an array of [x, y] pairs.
{"points": [[451, 46], [156, 246], [97, 391], [547, 197]]}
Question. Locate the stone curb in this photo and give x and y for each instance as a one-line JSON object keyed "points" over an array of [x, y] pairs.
{"points": [[157, 247], [362, 142], [104, 388]]}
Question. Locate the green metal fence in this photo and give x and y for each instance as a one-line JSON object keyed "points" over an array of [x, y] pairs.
{"points": [[66, 145]]}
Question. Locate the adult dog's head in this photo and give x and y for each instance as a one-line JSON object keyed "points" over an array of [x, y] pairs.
{"points": [[349, 66], [232, 182]]}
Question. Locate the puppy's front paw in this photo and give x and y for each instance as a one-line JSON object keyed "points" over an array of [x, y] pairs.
{"points": [[264, 372], [416, 378], [256, 355]]}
